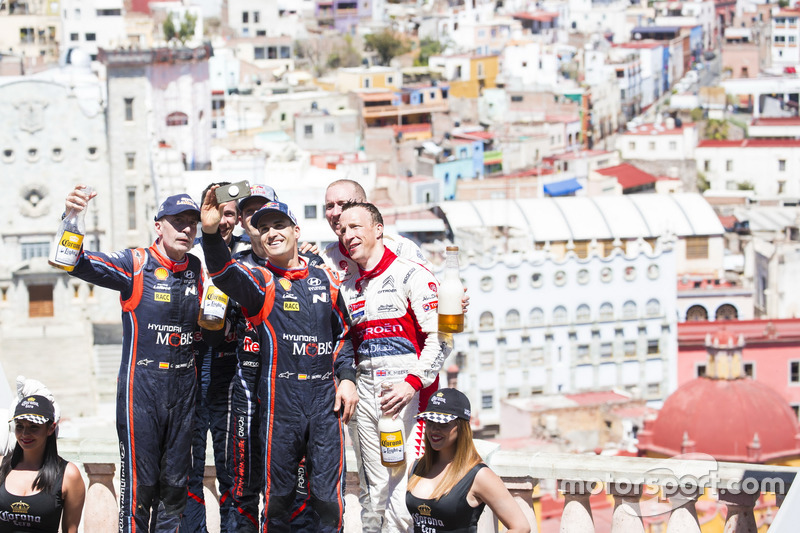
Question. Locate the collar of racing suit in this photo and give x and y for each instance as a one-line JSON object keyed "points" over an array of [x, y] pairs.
{"points": [[174, 266], [290, 274], [387, 259]]}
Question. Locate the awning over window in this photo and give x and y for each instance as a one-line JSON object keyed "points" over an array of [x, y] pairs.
{"points": [[562, 188]]}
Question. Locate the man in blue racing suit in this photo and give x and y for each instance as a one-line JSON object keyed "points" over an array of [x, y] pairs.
{"points": [[306, 390]]}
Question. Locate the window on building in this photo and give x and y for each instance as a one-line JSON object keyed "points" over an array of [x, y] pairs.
{"points": [[256, 17], [128, 109], [653, 308], [310, 211], [560, 315], [130, 160], [285, 52], [74, 36], [131, 208], [487, 283], [261, 33], [630, 348], [749, 369], [245, 17], [27, 36], [367, 83], [696, 247], [40, 301], [512, 281], [480, 70], [606, 350], [259, 52], [726, 312], [91, 37], [177, 118], [512, 358], [652, 346], [606, 311], [487, 360], [700, 371], [272, 52], [516, 98], [389, 80], [513, 392], [308, 131], [706, 165], [536, 316], [651, 145], [781, 165], [512, 319], [629, 311], [631, 145], [729, 165], [34, 249], [582, 352], [781, 186], [584, 314], [486, 321], [487, 400], [695, 313], [673, 145], [329, 127], [653, 389], [794, 371]]}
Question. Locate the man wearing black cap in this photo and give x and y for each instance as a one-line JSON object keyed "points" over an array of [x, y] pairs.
{"points": [[160, 289], [306, 390]]}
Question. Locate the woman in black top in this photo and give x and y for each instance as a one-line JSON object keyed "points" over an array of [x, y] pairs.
{"points": [[38, 489], [449, 486]]}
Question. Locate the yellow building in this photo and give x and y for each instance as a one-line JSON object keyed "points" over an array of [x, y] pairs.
{"points": [[357, 78], [467, 75]]}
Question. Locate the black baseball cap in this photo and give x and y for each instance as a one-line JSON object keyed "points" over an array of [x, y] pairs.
{"points": [[36, 409], [446, 405], [279, 207], [176, 204]]}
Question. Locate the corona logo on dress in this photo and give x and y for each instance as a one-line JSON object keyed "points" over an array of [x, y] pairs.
{"points": [[424, 510], [20, 507]]}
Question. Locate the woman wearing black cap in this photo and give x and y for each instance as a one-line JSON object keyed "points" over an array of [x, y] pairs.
{"points": [[450, 485], [36, 485]]}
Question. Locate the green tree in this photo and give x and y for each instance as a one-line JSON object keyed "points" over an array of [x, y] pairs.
{"points": [[386, 44], [716, 130], [697, 114], [702, 182], [183, 32], [427, 47], [745, 186]]}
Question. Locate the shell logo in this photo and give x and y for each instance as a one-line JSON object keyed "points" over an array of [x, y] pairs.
{"points": [[161, 273]]}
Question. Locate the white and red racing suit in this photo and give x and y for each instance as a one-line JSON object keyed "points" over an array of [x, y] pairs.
{"points": [[393, 309]]}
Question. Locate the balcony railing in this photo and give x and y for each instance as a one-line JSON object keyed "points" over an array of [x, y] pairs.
{"points": [[633, 482], [404, 109]]}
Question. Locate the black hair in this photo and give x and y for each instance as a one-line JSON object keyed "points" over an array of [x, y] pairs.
{"points": [[375, 215], [48, 473]]}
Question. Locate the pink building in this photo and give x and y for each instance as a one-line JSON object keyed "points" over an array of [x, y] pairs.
{"points": [[771, 352]]}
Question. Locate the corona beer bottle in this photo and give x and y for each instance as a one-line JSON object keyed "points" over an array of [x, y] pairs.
{"points": [[69, 238], [392, 441], [451, 291], [213, 307]]}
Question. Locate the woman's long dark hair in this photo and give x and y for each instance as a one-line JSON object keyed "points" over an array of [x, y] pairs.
{"points": [[48, 473]]}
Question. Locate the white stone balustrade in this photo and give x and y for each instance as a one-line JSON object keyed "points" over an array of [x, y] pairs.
{"points": [[737, 485]]}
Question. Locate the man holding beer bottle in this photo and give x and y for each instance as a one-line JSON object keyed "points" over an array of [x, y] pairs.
{"points": [[160, 290]]}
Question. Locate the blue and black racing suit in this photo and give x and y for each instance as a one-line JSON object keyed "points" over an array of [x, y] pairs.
{"points": [[302, 345], [160, 301]]}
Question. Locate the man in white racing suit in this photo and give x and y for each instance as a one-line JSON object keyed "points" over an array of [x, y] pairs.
{"points": [[393, 307]]}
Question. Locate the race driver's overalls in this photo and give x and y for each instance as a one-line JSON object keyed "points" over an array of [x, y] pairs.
{"points": [[393, 309], [160, 302], [302, 341]]}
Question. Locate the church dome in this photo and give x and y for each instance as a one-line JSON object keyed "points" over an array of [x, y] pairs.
{"points": [[730, 419]]}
